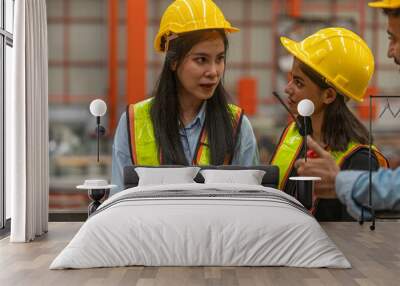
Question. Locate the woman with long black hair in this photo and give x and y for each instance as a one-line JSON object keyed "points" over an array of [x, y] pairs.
{"points": [[188, 120]]}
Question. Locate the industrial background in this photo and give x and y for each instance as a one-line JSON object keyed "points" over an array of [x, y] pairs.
{"points": [[104, 49]]}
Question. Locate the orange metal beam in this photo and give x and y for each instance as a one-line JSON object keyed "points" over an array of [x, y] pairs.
{"points": [[247, 94], [66, 39], [375, 44], [361, 10], [275, 45], [112, 64], [136, 25], [246, 47], [294, 8]]}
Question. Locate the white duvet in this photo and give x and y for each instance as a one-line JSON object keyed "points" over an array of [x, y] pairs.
{"points": [[269, 228]]}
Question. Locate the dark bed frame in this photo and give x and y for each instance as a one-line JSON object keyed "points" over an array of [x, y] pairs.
{"points": [[270, 179]]}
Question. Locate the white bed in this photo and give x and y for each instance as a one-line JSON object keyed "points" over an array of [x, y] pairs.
{"points": [[203, 225]]}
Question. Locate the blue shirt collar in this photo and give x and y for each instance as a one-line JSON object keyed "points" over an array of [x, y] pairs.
{"points": [[200, 117]]}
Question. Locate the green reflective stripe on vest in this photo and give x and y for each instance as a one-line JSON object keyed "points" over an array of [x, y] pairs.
{"points": [[339, 156], [146, 150], [291, 143], [353, 147], [145, 146], [286, 152], [203, 155]]}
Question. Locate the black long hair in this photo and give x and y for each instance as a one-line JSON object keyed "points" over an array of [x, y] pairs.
{"points": [[340, 126], [165, 111], [391, 12]]}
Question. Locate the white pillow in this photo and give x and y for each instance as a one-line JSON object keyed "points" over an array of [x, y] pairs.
{"points": [[165, 176], [248, 177]]}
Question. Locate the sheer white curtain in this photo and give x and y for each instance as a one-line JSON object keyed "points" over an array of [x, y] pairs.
{"points": [[27, 159]]}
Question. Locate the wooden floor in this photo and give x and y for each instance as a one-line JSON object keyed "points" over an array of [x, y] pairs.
{"points": [[375, 257]]}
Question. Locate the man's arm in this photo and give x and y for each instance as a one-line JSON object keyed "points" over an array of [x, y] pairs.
{"points": [[352, 189]]}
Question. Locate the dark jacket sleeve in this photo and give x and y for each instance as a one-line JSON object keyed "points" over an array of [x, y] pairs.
{"points": [[360, 161]]}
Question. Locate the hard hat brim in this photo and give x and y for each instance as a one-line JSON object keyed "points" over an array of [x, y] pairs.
{"points": [[294, 48], [383, 5]]}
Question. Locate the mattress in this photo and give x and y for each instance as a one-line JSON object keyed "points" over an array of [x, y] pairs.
{"points": [[201, 225]]}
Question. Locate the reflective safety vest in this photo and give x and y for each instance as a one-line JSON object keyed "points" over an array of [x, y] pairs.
{"points": [[291, 143], [143, 142]]}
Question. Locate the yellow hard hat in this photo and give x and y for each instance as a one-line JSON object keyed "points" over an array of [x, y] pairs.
{"points": [[190, 15], [340, 56], [387, 4]]}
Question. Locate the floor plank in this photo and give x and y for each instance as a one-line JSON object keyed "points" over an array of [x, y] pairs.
{"points": [[374, 255]]}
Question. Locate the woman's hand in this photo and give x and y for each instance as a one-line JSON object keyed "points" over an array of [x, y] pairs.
{"points": [[323, 166]]}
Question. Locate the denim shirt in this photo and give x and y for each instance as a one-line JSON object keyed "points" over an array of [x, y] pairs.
{"points": [[352, 190], [246, 153]]}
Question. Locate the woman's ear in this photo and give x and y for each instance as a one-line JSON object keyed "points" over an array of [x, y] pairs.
{"points": [[329, 95]]}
